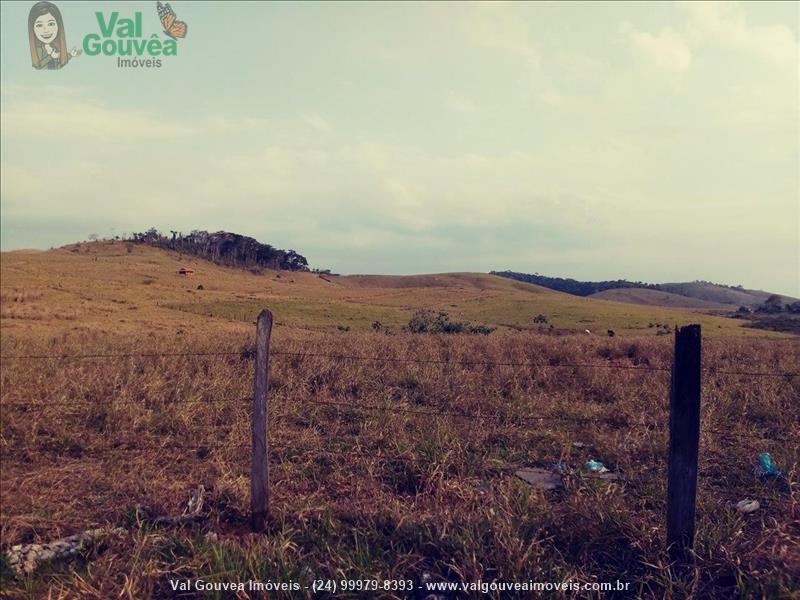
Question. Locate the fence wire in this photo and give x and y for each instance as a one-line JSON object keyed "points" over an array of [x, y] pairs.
{"points": [[250, 355], [505, 419]]}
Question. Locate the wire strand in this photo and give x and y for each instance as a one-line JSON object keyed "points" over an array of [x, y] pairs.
{"points": [[246, 354]]}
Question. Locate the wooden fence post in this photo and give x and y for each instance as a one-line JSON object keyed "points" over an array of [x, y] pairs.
{"points": [[259, 466], [684, 439]]}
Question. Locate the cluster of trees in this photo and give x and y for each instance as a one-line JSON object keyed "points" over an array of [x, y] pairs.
{"points": [[739, 287], [222, 247], [773, 304], [587, 288], [776, 313], [572, 286]]}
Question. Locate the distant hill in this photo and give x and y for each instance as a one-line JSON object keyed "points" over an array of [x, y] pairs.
{"points": [[695, 293], [722, 294], [649, 297], [224, 248]]}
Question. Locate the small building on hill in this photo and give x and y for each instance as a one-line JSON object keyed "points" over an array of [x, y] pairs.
{"points": [[186, 271]]}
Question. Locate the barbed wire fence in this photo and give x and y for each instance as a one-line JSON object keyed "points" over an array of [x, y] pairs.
{"points": [[681, 535], [245, 401], [388, 359]]}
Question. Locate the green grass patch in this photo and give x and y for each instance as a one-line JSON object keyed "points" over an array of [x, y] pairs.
{"points": [[300, 312], [566, 312]]}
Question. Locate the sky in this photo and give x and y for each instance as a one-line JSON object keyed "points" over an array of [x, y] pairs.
{"points": [[647, 141]]}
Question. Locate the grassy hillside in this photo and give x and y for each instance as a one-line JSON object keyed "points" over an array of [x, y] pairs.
{"points": [[118, 287], [657, 298], [398, 468]]}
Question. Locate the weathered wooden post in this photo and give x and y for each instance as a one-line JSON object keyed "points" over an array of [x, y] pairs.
{"points": [[259, 467], [684, 440]]}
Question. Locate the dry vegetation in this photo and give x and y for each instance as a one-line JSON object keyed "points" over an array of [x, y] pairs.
{"points": [[368, 479], [103, 287]]}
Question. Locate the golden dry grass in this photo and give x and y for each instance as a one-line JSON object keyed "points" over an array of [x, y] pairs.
{"points": [[368, 479]]}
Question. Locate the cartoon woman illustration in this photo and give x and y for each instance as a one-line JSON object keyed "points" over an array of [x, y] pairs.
{"points": [[46, 35]]}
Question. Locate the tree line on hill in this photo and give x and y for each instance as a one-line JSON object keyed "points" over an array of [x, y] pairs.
{"points": [[587, 288], [224, 248], [573, 286]]}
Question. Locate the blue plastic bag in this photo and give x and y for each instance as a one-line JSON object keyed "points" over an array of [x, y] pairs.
{"points": [[595, 466], [766, 467]]}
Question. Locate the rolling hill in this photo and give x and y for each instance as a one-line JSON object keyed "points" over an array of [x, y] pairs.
{"points": [[712, 292], [658, 298], [118, 287]]}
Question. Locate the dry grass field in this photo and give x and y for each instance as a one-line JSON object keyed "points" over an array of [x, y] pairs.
{"points": [[392, 468], [121, 288]]}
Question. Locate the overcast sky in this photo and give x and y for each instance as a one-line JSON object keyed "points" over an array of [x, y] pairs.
{"points": [[655, 142]]}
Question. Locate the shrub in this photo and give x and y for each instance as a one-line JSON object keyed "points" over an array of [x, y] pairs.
{"points": [[428, 321]]}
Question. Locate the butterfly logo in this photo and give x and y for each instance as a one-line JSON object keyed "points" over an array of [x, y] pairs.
{"points": [[172, 27]]}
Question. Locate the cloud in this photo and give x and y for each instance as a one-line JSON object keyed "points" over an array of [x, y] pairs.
{"points": [[235, 124], [316, 122], [58, 112], [468, 135], [667, 49], [502, 27], [550, 97], [458, 103], [715, 24], [724, 24]]}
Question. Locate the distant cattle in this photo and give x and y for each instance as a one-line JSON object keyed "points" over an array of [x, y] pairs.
{"points": [[611, 333]]}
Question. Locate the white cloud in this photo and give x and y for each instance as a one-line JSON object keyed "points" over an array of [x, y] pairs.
{"points": [[316, 122], [667, 49], [459, 103], [717, 24], [551, 97], [503, 27], [235, 124], [725, 24], [59, 113]]}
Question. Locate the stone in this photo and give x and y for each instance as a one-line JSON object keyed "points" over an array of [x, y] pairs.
{"points": [[541, 478]]}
